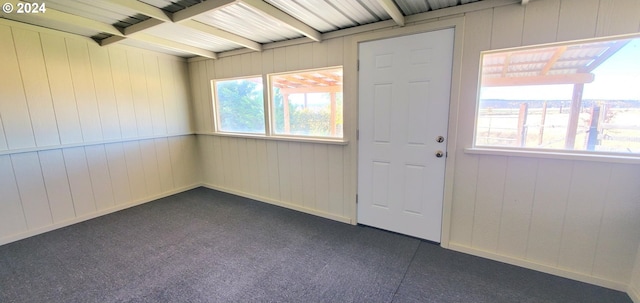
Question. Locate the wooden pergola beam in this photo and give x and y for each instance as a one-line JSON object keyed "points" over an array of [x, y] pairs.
{"points": [[316, 89], [556, 55], [539, 80]]}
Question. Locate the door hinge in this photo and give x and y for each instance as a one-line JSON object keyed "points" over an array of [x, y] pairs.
{"points": [[356, 198], [358, 65], [357, 134]]}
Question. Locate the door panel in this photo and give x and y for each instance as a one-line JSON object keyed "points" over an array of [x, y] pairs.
{"points": [[404, 86]]}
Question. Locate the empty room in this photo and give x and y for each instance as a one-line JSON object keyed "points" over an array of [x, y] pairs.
{"points": [[320, 151]]}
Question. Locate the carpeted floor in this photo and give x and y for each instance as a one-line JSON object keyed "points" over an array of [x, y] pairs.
{"points": [[207, 246]]}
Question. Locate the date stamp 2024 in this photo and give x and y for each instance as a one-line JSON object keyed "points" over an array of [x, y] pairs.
{"points": [[24, 8]]}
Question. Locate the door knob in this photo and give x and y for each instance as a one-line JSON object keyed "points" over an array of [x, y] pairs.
{"points": [[439, 154], [440, 139]]}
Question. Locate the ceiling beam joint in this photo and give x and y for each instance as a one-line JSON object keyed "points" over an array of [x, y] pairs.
{"points": [[274, 13], [393, 11]]}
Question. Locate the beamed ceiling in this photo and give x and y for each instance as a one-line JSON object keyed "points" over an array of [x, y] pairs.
{"points": [[189, 28]]}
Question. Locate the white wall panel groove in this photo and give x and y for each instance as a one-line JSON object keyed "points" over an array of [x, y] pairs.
{"points": [[139, 90], [84, 88], [105, 93], [56, 181], [15, 114], [567, 217], [3, 139], [100, 176], [307, 176], [62, 90], [31, 187], [34, 81], [65, 105], [12, 215]]}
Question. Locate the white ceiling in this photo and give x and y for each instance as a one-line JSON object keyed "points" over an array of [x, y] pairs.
{"points": [[189, 28]]}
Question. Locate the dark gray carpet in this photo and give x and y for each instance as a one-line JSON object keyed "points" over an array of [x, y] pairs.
{"points": [[207, 246]]}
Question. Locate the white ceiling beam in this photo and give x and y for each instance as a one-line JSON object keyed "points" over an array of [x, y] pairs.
{"points": [[295, 24], [182, 17], [393, 11], [175, 45], [200, 8], [111, 40], [162, 43], [242, 41], [58, 16], [62, 17], [143, 8], [132, 29], [141, 26]]}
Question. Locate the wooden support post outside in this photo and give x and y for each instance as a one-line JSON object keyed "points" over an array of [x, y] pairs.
{"points": [[542, 120], [574, 115], [333, 114], [522, 121]]}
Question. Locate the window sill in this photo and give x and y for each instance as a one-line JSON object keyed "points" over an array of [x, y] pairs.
{"points": [[555, 154], [281, 138]]}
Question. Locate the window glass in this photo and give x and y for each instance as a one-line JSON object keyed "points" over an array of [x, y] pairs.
{"points": [[307, 103], [240, 105], [581, 96]]}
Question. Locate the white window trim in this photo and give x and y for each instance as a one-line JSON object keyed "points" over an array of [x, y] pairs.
{"points": [[555, 154], [532, 152], [268, 113], [271, 119], [322, 140], [216, 113]]}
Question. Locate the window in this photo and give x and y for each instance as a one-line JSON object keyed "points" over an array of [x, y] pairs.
{"points": [[307, 103], [240, 105], [582, 96]]}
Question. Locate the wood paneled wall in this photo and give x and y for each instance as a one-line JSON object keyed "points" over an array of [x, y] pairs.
{"points": [[87, 130], [574, 218], [634, 285], [309, 177]]}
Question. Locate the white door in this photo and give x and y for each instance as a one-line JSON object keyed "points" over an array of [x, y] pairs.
{"points": [[404, 86]]}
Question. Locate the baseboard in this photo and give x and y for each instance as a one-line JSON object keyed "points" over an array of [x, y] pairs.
{"points": [[281, 204], [634, 294], [33, 232], [542, 268]]}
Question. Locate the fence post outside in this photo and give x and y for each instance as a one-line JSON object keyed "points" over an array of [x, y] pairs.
{"points": [[542, 121], [522, 121], [592, 140]]}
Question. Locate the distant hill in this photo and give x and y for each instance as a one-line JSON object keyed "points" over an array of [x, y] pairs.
{"points": [[501, 103]]}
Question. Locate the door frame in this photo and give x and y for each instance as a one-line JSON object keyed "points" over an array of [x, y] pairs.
{"points": [[351, 93]]}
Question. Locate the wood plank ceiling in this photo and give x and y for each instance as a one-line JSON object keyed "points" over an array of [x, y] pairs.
{"points": [[189, 28]]}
